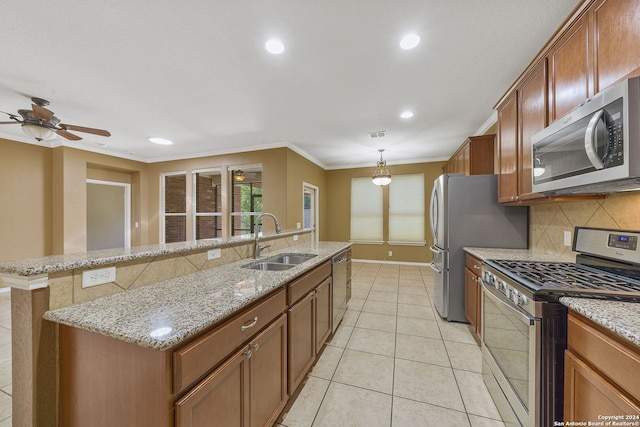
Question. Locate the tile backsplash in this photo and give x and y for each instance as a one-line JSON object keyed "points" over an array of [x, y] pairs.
{"points": [[548, 221]]}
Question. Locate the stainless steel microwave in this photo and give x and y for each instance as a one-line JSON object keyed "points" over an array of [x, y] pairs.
{"points": [[593, 149]]}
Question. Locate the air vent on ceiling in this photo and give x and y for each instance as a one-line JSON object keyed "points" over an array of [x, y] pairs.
{"points": [[378, 134]]}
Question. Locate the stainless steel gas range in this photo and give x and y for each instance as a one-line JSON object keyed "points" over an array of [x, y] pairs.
{"points": [[524, 326]]}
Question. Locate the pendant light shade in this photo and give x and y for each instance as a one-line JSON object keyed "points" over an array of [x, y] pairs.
{"points": [[381, 175]]}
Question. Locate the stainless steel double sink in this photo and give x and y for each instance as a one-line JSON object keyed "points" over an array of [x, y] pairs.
{"points": [[280, 262]]}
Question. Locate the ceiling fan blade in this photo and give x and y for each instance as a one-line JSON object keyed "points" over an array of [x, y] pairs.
{"points": [[63, 133], [86, 130], [10, 123], [41, 112]]}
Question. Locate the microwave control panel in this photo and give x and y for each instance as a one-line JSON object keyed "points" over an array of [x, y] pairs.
{"points": [[614, 155]]}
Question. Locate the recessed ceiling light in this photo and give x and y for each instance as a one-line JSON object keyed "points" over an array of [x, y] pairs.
{"points": [[274, 46], [161, 141], [410, 41], [406, 114]]}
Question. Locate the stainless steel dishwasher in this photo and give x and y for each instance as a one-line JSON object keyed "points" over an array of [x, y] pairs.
{"points": [[341, 270]]}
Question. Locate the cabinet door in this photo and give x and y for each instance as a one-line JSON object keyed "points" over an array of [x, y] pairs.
{"points": [[587, 395], [268, 374], [471, 297], [508, 150], [532, 98], [569, 69], [219, 399], [301, 340], [616, 41], [323, 313]]}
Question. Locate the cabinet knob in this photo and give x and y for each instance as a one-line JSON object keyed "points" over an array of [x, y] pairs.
{"points": [[249, 324], [255, 347], [248, 353], [476, 267]]}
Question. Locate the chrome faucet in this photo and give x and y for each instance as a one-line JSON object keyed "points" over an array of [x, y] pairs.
{"points": [[258, 248]]}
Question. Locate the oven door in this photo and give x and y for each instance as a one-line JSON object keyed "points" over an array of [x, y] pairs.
{"points": [[510, 343]]}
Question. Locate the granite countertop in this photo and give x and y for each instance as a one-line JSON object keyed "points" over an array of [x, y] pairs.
{"points": [[509, 254], [56, 263], [622, 318], [162, 315]]}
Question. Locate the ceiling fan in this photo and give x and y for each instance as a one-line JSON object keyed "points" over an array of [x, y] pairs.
{"points": [[41, 124]]}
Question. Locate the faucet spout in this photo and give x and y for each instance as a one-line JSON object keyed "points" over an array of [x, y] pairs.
{"points": [[258, 248]]}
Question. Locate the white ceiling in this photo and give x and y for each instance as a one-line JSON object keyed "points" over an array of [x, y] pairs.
{"points": [[197, 73]]}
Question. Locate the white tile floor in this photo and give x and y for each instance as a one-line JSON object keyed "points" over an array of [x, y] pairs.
{"points": [[5, 358], [394, 362]]}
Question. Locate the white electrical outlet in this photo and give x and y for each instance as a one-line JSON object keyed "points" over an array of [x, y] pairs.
{"points": [[567, 238], [214, 254], [98, 276], [295, 237], [390, 253]]}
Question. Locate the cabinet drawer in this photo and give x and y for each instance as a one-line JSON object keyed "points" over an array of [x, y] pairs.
{"points": [[608, 354], [302, 285], [196, 359], [473, 264]]}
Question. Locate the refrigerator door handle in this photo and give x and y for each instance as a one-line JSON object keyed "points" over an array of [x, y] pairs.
{"points": [[435, 249], [434, 212], [435, 268]]}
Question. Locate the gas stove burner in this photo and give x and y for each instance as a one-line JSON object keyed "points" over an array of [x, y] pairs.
{"points": [[567, 278]]}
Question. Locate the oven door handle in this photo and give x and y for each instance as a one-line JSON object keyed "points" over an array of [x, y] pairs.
{"points": [[496, 295]]}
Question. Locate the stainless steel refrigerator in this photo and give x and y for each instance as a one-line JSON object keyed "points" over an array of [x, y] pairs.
{"points": [[465, 212]]}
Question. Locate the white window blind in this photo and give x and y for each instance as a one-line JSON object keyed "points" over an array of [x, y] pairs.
{"points": [[406, 209], [366, 211]]}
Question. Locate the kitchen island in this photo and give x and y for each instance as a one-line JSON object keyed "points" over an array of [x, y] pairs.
{"points": [[43, 284], [230, 343]]}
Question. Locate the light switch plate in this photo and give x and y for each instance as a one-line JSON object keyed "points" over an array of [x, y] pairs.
{"points": [[295, 237], [567, 238], [214, 254], [98, 276]]}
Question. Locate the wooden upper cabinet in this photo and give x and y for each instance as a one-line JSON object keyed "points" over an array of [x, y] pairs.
{"points": [[569, 70], [616, 41], [508, 149], [474, 157], [532, 106]]}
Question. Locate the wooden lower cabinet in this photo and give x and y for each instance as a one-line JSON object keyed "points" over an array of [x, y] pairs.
{"points": [[323, 313], [473, 295], [309, 328], [588, 395], [302, 350], [249, 389], [220, 399], [600, 373]]}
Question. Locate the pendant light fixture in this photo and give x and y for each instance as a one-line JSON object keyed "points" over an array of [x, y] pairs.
{"points": [[381, 175]]}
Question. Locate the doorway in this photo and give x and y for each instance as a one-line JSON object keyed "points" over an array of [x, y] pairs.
{"points": [[310, 204], [108, 215]]}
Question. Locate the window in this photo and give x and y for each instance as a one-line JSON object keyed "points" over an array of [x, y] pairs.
{"points": [[174, 207], [246, 198], [406, 209], [366, 211], [207, 187]]}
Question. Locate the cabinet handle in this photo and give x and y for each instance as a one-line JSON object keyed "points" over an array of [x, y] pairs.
{"points": [[248, 353], [248, 325], [255, 347], [476, 267]]}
